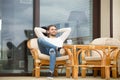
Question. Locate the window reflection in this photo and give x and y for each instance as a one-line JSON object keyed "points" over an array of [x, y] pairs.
{"points": [[17, 18], [76, 14]]}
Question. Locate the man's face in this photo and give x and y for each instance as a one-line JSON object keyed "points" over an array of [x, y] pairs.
{"points": [[52, 31]]}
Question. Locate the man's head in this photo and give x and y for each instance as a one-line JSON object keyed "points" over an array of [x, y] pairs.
{"points": [[52, 31]]}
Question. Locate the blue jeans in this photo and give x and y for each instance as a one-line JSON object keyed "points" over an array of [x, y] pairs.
{"points": [[49, 49]]}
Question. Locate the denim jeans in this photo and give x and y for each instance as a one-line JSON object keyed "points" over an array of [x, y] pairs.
{"points": [[49, 49]]}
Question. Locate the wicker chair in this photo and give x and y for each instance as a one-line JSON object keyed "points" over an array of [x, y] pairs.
{"points": [[113, 55], [42, 59]]}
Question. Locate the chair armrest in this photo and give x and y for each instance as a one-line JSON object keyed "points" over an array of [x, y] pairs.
{"points": [[28, 44], [34, 53], [115, 55], [62, 51], [32, 48]]}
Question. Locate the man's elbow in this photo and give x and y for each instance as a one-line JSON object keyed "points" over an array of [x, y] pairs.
{"points": [[69, 29]]}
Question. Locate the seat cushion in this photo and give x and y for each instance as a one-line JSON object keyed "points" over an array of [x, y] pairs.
{"points": [[46, 57], [33, 43], [99, 41], [65, 57], [93, 58], [113, 42], [106, 41]]}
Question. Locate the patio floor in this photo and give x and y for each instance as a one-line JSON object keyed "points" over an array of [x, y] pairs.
{"points": [[55, 78]]}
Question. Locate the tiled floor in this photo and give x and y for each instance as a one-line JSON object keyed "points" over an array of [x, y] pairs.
{"points": [[55, 78]]}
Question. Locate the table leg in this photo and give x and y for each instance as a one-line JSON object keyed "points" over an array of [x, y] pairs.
{"points": [[75, 72], [103, 72], [107, 72]]}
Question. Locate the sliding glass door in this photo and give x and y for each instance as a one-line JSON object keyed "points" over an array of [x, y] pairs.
{"points": [[76, 14], [16, 21]]}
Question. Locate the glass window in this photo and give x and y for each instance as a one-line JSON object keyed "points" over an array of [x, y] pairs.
{"points": [[15, 29], [76, 14]]}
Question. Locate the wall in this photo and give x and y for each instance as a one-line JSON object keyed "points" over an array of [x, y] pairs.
{"points": [[105, 18], [116, 19]]}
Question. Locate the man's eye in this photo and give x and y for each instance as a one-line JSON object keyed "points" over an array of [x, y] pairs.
{"points": [[53, 29]]}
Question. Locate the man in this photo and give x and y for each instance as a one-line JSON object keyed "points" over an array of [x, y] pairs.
{"points": [[50, 44]]}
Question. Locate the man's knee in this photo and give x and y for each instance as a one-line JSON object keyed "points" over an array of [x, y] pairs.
{"points": [[52, 51]]}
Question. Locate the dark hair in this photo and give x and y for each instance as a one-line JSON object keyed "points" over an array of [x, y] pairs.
{"points": [[44, 27], [51, 26]]}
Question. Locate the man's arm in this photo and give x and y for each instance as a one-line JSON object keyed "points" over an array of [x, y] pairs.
{"points": [[65, 34], [39, 32]]}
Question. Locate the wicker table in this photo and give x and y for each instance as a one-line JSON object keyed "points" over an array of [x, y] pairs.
{"points": [[81, 49]]}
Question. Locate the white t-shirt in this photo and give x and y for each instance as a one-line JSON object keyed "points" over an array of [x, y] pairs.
{"points": [[58, 41]]}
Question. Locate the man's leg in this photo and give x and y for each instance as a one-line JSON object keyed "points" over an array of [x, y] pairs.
{"points": [[50, 50], [44, 46], [42, 42], [52, 53]]}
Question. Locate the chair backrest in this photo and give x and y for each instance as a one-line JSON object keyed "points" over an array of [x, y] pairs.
{"points": [[32, 43], [113, 42], [99, 41], [105, 41]]}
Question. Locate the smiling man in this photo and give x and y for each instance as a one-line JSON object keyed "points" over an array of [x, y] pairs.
{"points": [[51, 44]]}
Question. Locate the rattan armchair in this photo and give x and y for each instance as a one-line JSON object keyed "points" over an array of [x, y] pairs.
{"points": [[42, 59], [113, 55]]}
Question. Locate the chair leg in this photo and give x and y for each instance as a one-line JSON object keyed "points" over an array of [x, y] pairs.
{"points": [[107, 72], [75, 72], [83, 72], [102, 72], [33, 72], [37, 70], [68, 74], [95, 72], [114, 72], [56, 72]]}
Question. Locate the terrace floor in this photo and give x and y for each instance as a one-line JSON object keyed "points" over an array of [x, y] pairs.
{"points": [[55, 78]]}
